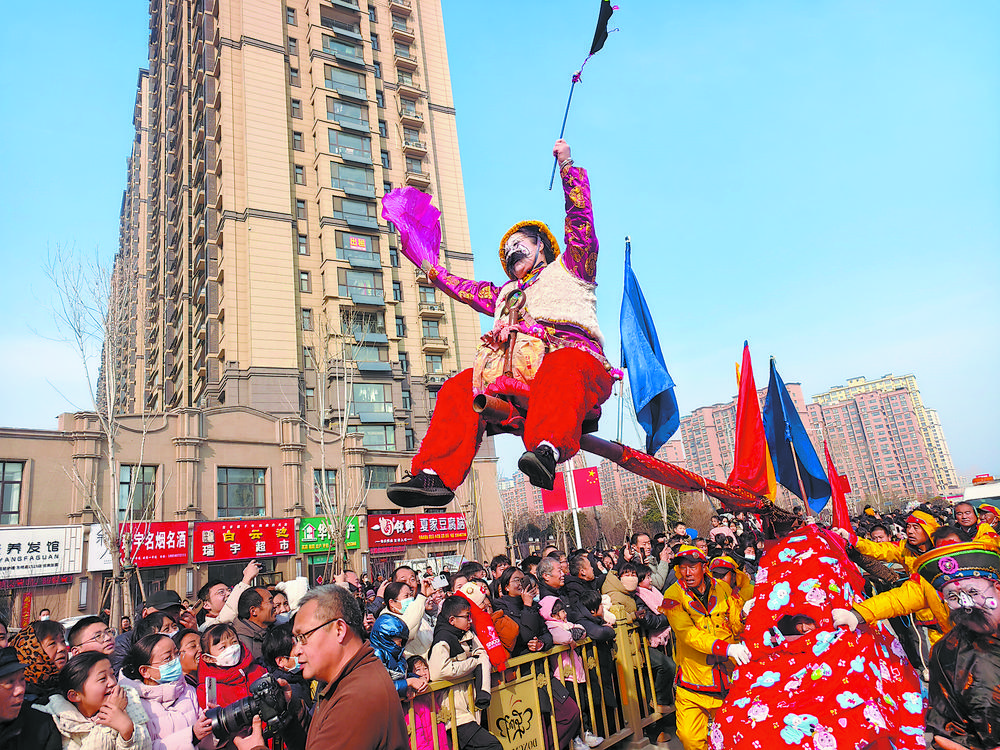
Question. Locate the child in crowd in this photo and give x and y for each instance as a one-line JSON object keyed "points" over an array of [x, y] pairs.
{"points": [[569, 668], [93, 712], [229, 663], [456, 654], [424, 710], [281, 665]]}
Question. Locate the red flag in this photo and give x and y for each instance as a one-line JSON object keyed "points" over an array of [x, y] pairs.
{"points": [[555, 499], [588, 488], [752, 467], [839, 486]]}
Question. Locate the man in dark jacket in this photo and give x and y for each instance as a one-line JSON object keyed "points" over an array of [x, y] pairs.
{"points": [[256, 615], [21, 727]]}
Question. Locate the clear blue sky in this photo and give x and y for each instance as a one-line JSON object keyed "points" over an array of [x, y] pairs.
{"points": [[820, 178]]}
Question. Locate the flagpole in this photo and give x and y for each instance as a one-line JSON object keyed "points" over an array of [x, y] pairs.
{"points": [[571, 496], [798, 475], [562, 130]]}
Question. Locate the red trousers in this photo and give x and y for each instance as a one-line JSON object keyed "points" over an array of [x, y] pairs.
{"points": [[570, 383]]}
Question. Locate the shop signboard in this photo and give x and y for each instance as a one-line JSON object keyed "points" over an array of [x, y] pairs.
{"points": [[40, 551], [386, 531], [221, 541], [156, 543], [314, 534]]}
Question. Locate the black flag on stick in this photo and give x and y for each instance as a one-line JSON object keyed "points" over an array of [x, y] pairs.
{"points": [[600, 37]]}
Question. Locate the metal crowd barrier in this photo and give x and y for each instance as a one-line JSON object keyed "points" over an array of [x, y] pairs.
{"points": [[619, 705]]}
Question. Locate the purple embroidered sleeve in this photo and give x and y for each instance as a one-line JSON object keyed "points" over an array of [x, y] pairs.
{"points": [[481, 296], [580, 257]]}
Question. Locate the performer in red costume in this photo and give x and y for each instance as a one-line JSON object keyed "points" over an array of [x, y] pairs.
{"points": [[552, 344]]}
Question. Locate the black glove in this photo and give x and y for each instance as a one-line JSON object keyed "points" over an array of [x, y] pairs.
{"points": [[482, 696], [577, 633]]}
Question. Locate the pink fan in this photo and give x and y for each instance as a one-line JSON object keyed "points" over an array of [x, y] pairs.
{"points": [[418, 222]]}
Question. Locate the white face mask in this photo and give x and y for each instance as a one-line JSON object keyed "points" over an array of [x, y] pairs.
{"points": [[405, 603], [44, 617], [295, 668], [282, 618], [229, 657]]}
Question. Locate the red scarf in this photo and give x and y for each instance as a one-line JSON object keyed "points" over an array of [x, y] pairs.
{"points": [[482, 623]]}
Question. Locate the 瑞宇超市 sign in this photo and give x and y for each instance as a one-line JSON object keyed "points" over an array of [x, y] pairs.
{"points": [[38, 551], [243, 540], [315, 536], [385, 531]]}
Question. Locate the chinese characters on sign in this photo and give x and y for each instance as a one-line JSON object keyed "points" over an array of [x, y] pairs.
{"points": [[314, 534], [40, 551], [156, 543], [384, 531], [243, 540]]}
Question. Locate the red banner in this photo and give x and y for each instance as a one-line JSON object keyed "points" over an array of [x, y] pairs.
{"points": [[386, 531], [243, 540], [156, 543], [26, 609]]}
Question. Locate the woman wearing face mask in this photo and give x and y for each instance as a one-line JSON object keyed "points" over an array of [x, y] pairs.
{"points": [[153, 669], [226, 660]]}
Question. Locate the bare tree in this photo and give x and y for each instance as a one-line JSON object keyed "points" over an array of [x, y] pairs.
{"points": [[96, 313]]}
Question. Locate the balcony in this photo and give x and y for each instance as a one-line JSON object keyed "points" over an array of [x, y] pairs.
{"points": [[349, 30], [402, 33], [404, 61], [415, 148], [411, 117], [356, 220], [431, 310], [360, 258], [400, 7], [408, 89], [418, 179], [351, 123], [348, 4], [434, 343], [351, 187], [372, 297]]}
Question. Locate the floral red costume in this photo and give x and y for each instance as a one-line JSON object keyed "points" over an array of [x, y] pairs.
{"points": [[573, 378]]}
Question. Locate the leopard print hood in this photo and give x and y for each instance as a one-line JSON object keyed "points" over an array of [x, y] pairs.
{"points": [[40, 671]]}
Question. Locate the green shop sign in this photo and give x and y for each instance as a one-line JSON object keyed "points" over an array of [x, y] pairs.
{"points": [[314, 534]]}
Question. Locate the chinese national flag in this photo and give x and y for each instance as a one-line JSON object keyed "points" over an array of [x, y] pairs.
{"points": [[588, 488], [839, 486], [555, 500]]}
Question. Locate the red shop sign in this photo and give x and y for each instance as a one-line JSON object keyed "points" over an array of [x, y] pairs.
{"points": [[156, 543], [243, 540], [385, 531]]}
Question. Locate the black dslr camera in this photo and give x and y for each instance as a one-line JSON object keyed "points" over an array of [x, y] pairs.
{"points": [[266, 699]]}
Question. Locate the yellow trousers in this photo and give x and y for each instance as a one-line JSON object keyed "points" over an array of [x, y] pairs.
{"points": [[694, 712]]}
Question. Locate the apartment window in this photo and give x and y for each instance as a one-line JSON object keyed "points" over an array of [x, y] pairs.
{"points": [[344, 81], [308, 358], [379, 98], [397, 291], [310, 399], [383, 129], [297, 142], [432, 399], [300, 209], [349, 145], [304, 284], [300, 175], [435, 364], [409, 439], [351, 281], [401, 49], [329, 487], [372, 398], [431, 329], [346, 113], [240, 492], [410, 135], [386, 188], [303, 245], [307, 319], [139, 483], [366, 353], [414, 165], [393, 255], [407, 399], [348, 210], [374, 19], [352, 179], [404, 362], [427, 294], [405, 78], [400, 326], [293, 76], [297, 109], [360, 323], [385, 159], [10, 488], [293, 47], [337, 47], [357, 246], [379, 477], [290, 16], [377, 66], [399, 22]]}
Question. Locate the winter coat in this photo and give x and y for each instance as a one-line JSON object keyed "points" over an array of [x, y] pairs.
{"points": [[529, 621], [620, 598], [444, 666], [172, 710], [387, 626], [424, 723], [569, 665], [232, 683], [30, 730], [81, 733], [252, 636]]}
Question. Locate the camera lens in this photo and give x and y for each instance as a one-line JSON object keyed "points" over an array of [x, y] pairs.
{"points": [[228, 720]]}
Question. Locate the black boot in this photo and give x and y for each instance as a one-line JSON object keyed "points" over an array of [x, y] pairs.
{"points": [[540, 466], [420, 490]]}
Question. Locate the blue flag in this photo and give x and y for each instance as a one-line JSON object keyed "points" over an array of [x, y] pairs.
{"points": [[784, 429], [651, 384]]}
